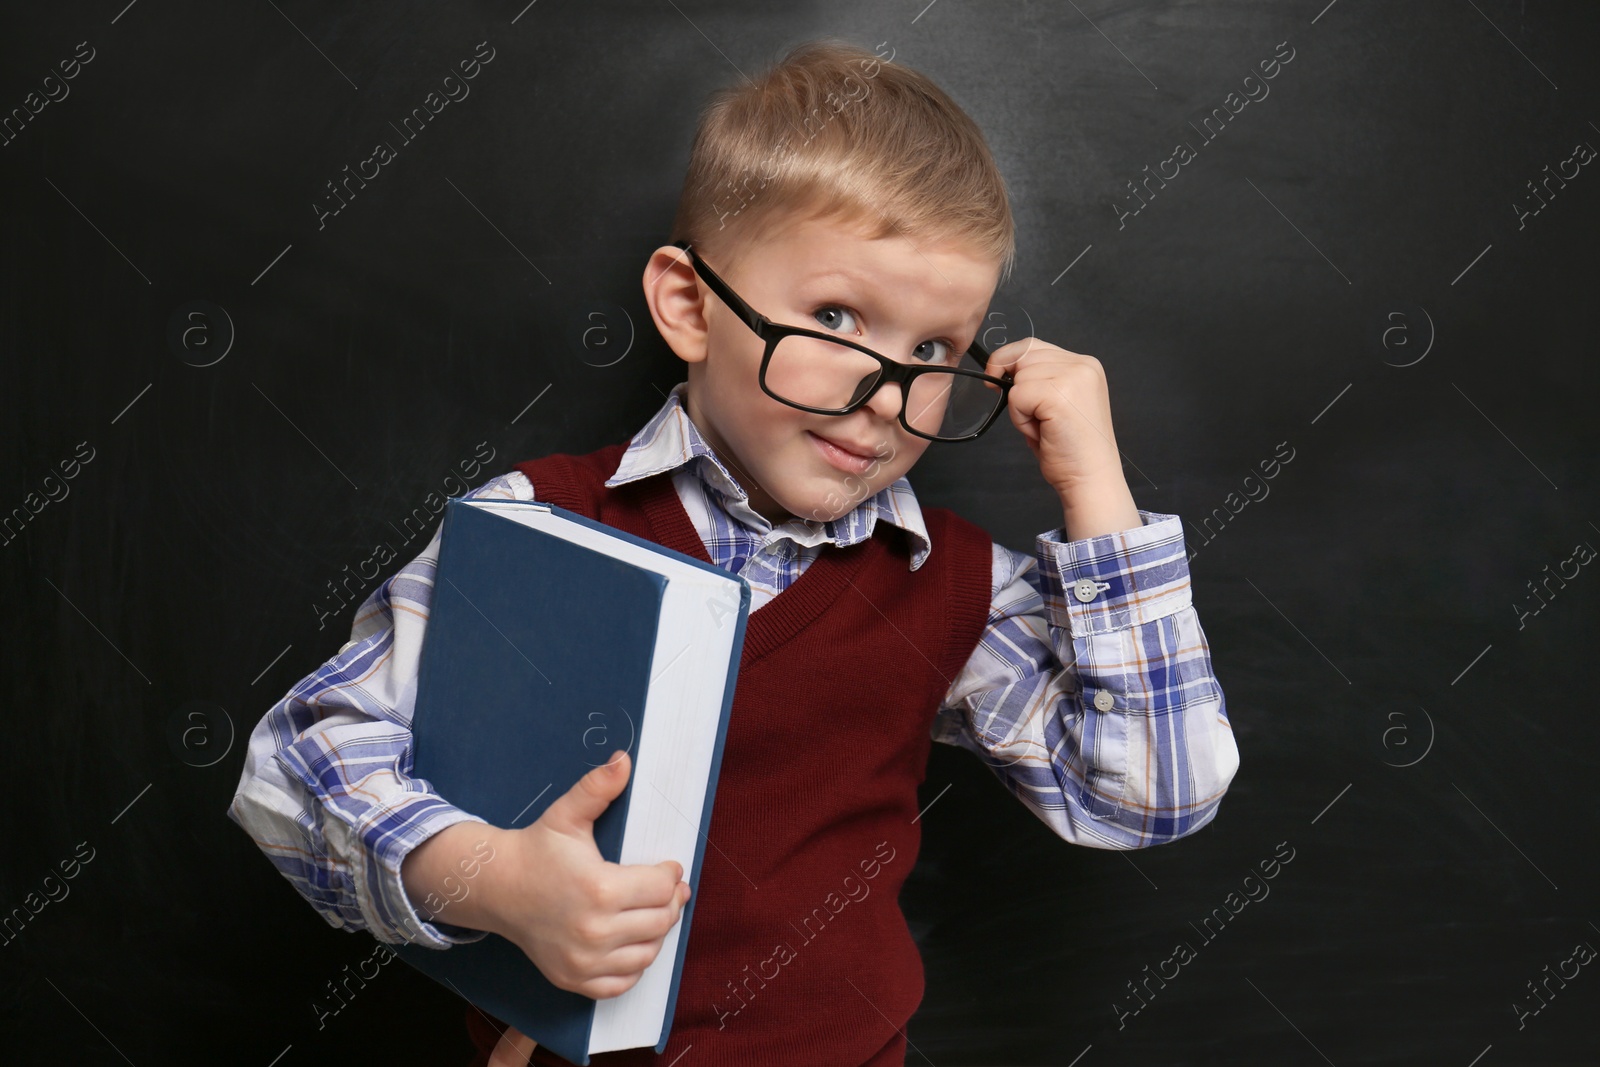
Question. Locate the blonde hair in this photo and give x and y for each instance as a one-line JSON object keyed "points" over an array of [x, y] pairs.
{"points": [[834, 131]]}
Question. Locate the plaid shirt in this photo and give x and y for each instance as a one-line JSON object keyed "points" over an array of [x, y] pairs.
{"points": [[1090, 693]]}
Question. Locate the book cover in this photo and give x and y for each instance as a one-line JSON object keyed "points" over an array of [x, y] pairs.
{"points": [[534, 669]]}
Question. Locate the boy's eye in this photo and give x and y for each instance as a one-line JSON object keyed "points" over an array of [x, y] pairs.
{"points": [[835, 317], [841, 319]]}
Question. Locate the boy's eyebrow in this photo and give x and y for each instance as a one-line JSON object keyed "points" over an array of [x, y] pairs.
{"points": [[837, 274], [844, 274]]}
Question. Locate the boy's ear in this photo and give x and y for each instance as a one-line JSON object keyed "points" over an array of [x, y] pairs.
{"points": [[677, 302]]}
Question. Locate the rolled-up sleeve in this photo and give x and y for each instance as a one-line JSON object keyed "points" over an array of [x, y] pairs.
{"points": [[1091, 693], [326, 791]]}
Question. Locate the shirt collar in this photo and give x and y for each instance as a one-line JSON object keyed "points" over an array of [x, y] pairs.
{"points": [[670, 440]]}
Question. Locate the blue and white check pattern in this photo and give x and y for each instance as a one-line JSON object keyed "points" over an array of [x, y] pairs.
{"points": [[327, 791]]}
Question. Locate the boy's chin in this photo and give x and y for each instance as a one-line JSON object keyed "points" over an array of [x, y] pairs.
{"points": [[829, 504]]}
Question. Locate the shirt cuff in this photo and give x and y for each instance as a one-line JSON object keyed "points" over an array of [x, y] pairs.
{"points": [[370, 843], [408, 924], [1113, 581]]}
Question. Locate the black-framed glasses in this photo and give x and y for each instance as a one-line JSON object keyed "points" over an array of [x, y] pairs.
{"points": [[829, 375]]}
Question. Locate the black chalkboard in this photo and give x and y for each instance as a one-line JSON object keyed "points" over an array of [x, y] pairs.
{"points": [[224, 390]]}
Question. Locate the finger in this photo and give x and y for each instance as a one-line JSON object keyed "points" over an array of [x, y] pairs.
{"points": [[1007, 356], [611, 986], [1026, 424], [575, 811], [646, 924], [642, 885], [512, 1050], [627, 961]]}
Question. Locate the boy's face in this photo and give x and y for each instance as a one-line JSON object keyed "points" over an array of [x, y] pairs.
{"points": [[890, 295]]}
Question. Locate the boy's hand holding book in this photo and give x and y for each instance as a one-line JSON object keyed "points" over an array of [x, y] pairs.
{"points": [[589, 925], [549, 629]]}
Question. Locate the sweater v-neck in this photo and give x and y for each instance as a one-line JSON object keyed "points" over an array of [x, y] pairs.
{"points": [[827, 578]]}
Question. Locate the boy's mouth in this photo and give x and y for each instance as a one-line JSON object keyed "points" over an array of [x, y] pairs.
{"points": [[849, 457]]}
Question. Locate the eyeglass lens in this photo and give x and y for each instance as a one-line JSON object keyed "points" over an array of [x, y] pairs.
{"points": [[817, 373]]}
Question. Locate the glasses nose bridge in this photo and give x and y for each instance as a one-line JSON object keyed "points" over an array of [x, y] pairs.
{"points": [[891, 372]]}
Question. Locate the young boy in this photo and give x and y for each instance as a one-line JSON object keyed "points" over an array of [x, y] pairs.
{"points": [[1078, 673]]}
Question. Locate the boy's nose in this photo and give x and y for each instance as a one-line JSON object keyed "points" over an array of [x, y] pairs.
{"points": [[887, 400]]}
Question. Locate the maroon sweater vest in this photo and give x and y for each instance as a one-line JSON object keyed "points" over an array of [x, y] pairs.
{"points": [[799, 953]]}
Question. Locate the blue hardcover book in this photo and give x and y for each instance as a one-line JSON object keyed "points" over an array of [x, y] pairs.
{"points": [[553, 641]]}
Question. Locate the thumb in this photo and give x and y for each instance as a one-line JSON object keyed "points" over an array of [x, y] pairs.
{"points": [[1003, 359], [575, 811]]}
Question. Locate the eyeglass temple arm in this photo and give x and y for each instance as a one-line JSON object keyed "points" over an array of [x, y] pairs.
{"points": [[756, 321]]}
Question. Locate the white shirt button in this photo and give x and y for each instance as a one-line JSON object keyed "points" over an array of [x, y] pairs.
{"points": [[1104, 701], [1084, 589]]}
